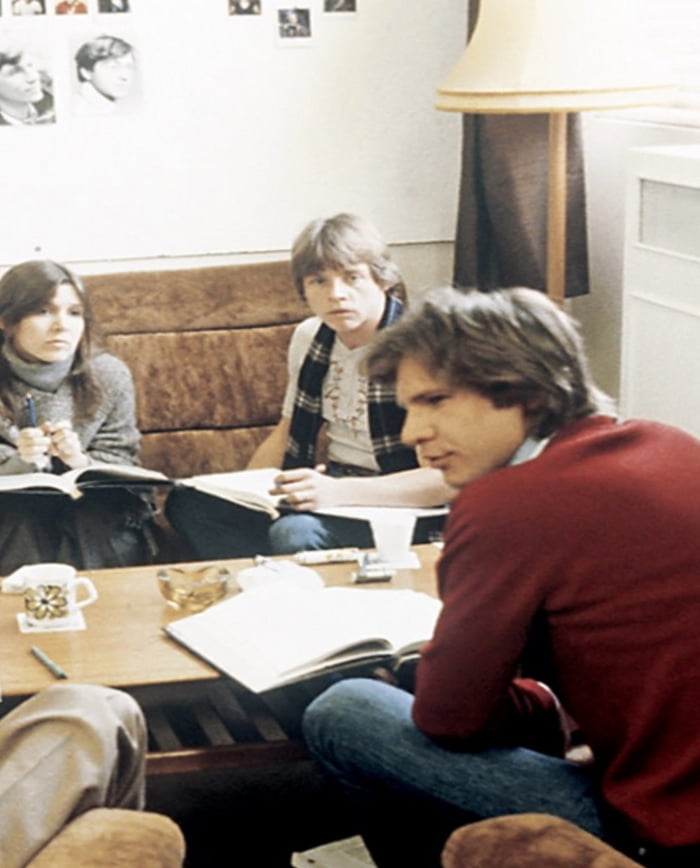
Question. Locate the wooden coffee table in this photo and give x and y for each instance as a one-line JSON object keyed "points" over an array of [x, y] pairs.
{"points": [[196, 717]]}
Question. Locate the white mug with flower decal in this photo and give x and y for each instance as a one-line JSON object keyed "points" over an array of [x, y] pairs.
{"points": [[51, 594]]}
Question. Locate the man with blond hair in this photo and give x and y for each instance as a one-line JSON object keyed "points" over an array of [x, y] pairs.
{"points": [[342, 268]]}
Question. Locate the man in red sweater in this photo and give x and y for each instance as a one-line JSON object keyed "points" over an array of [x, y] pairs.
{"points": [[572, 555]]}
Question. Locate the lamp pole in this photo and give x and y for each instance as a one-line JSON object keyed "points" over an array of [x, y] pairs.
{"points": [[556, 208]]}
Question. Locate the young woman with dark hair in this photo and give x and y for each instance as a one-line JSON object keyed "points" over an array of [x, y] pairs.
{"points": [[82, 412]]}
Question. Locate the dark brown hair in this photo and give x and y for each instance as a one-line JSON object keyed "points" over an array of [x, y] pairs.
{"points": [[513, 346], [25, 289]]}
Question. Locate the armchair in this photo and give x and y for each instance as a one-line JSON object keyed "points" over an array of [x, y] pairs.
{"points": [[114, 838], [529, 841]]}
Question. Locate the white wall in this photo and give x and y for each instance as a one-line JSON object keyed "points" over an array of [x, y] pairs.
{"points": [[607, 139], [238, 142]]}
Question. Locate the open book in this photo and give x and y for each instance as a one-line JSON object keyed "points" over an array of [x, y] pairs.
{"points": [[248, 488], [74, 482], [279, 634], [251, 488]]}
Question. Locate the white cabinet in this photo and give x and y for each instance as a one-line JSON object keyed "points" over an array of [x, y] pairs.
{"points": [[661, 287]]}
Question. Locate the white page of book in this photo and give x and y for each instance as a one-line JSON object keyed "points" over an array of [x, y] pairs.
{"points": [[69, 480], [261, 635], [258, 483], [238, 483]]}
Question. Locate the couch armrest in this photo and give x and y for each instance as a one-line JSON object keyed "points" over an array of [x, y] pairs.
{"points": [[114, 838], [528, 841]]}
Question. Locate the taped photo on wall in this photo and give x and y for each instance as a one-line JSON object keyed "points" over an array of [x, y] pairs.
{"points": [[26, 81], [106, 74]]}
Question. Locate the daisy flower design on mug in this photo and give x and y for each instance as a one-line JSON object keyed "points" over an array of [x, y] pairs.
{"points": [[47, 601]]}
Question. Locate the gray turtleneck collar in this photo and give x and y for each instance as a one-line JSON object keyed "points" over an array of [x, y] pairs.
{"points": [[46, 376]]}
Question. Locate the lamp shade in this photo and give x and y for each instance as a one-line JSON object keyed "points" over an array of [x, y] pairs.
{"points": [[554, 56]]}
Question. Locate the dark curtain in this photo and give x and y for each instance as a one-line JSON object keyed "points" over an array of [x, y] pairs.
{"points": [[502, 220]]}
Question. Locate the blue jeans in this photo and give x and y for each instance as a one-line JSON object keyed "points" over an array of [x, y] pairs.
{"points": [[409, 793], [216, 528]]}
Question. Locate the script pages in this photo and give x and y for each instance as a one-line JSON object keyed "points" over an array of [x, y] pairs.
{"points": [[272, 636], [248, 488], [73, 482], [251, 488]]}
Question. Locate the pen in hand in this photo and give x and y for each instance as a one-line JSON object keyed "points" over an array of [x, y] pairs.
{"points": [[31, 410], [33, 442], [53, 668]]}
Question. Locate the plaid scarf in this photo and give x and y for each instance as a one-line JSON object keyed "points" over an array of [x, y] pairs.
{"points": [[385, 416]]}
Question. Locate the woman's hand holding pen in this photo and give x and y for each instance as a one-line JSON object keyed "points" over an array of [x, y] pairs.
{"points": [[38, 445], [65, 445], [33, 445], [306, 488]]}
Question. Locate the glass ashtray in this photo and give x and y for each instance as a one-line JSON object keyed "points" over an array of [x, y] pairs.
{"points": [[193, 589]]}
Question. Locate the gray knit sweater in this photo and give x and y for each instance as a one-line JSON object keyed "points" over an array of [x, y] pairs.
{"points": [[111, 435]]}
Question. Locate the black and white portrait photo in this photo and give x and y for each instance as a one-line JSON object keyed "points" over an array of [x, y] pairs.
{"points": [[106, 74], [294, 23], [26, 85], [28, 7], [244, 7], [340, 5], [113, 6]]}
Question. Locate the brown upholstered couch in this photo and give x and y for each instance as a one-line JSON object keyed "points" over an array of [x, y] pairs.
{"points": [[207, 348], [529, 841], [114, 838]]}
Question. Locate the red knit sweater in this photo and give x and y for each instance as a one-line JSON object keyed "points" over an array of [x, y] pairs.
{"points": [[600, 537]]}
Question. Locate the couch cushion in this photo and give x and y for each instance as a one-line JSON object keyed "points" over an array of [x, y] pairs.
{"points": [[207, 379], [528, 841], [227, 296], [114, 838], [188, 453], [207, 348]]}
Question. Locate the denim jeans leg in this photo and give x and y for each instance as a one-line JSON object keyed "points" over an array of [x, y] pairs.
{"points": [[362, 734], [305, 531], [217, 528]]}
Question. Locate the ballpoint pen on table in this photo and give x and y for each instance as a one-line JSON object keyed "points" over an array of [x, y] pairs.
{"points": [[53, 667]]}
